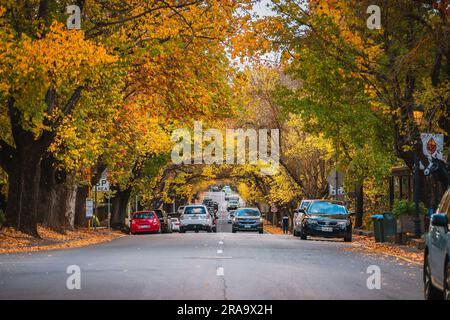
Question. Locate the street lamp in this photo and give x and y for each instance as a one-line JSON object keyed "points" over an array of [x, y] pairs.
{"points": [[418, 119]]}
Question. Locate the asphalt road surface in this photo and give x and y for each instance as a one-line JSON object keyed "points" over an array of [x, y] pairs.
{"points": [[208, 266]]}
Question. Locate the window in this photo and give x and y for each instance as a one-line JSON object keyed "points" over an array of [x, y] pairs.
{"points": [[195, 210], [144, 215], [247, 213], [325, 207]]}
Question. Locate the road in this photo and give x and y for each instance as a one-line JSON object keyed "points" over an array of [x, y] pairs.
{"points": [[207, 266]]}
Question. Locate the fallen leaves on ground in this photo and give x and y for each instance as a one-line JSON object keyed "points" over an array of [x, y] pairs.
{"points": [[367, 245], [272, 229], [13, 241]]}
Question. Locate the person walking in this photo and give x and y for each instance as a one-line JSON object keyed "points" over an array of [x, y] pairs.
{"points": [[285, 223]]}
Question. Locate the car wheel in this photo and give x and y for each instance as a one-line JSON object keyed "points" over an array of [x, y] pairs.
{"points": [[233, 230], [182, 230], [348, 237], [294, 233], [447, 282], [430, 291], [261, 231], [303, 234], [196, 230]]}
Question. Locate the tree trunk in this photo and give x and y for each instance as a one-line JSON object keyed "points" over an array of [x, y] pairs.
{"points": [[56, 197], [23, 188], [359, 208], [119, 208], [80, 205]]}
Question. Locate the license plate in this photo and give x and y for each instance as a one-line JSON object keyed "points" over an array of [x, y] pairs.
{"points": [[327, 229], [248, 227], [144, 226]]}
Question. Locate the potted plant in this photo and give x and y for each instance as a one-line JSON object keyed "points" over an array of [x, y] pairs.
{"points": [[405, 213]]}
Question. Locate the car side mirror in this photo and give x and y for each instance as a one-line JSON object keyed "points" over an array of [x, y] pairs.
{"points": [[439, 220], [303, 211]]}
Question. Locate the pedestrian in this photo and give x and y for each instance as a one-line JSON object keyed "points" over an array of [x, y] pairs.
{"points": [[285, 223]]}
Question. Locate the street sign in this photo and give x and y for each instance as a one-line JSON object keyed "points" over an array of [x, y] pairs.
{"points": [[433, 145], [103, 184], [336, 177], [89, 208], [332, 189]]}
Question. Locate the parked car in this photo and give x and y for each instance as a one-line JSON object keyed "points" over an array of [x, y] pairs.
{"points": [[231, 216], [164, 220], [175, 224], [298, 212], [214, 189], [144, 221], [324, 218], [436, 270], [247, 219], [195, 218]]}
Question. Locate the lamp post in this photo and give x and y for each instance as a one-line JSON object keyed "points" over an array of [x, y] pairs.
{"points": [[418, 118]]}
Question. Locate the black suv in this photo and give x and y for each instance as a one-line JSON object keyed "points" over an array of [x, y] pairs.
{"points": [[324, 218], [164, 221]]}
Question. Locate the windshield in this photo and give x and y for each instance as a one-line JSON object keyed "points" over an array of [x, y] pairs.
{"points": [[325, 207], [144, 215], [247, 213], [194, 210], [304, 204]]}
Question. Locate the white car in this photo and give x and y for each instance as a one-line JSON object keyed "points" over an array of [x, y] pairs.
{"points": [[175, 224], [196, 217]]}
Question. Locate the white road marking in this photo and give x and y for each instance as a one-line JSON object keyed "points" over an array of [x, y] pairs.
{"points": [[220, 271], [221, 242], [219, 251]]}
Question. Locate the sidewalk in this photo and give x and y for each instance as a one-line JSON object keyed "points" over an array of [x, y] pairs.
{"points": [[269, 228], [365, 244], [13, 241]]}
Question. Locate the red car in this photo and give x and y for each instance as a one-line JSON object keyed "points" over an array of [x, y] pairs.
{"points": [[144, 221]]}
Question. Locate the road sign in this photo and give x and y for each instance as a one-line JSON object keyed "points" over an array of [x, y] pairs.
{"points": [[103, 184], [336, 178], [89, 208]]}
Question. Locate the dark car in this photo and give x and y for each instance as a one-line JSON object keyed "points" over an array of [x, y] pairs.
{"points": [[247, 219], [436, 270], [324, 218], [164, 220]]}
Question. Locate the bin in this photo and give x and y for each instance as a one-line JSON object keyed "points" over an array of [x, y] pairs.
{"points": [[378, 227], [389, 225]]}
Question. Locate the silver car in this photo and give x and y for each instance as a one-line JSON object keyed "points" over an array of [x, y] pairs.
{"points": [[175, 224], [196, 217]]}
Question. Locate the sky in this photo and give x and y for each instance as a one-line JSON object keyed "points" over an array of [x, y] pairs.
{"points": [[261, 8]]}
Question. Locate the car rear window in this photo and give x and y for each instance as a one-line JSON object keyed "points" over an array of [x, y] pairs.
{"points": [[145, 215], [194, 210]]}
